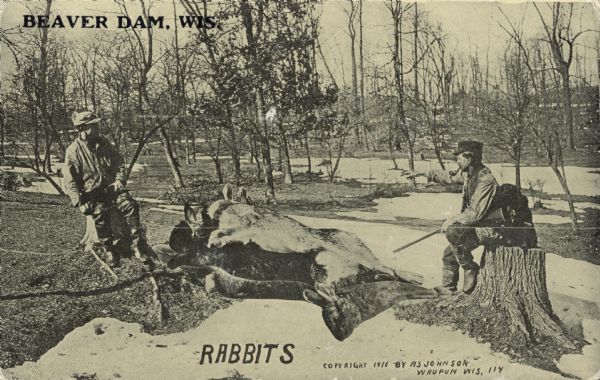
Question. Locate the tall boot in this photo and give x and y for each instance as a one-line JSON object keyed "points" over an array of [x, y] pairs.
{"points": [[470, 278], [449, 273], [470, 268]]}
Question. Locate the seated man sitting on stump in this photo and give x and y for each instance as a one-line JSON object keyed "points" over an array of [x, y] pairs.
{"points": [[94, 180], [466, 230]]}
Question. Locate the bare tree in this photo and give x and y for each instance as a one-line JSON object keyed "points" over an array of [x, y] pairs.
{"points": [[221, 82], [352, 13], [142, 47], [543, 119], [506, 111], [361, 58], [398, 11], [434, 99], [561, 38]]}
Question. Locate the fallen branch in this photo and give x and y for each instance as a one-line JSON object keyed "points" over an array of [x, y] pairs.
{"points": [[92, 291], [105, 266], [162, 311]]}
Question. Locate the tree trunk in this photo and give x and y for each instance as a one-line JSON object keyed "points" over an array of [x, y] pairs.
{"points": [[255, 156], [438, 154], [52, 182], [355, 99], [265, 149], [279, 159], [285, 157], [2, 133], [187, 149], [235, 153], [568, 108], [512, 282], [268, 172], [391, 141], [416, 51], [47, 165], [218, 169], [336, 165], [170, 159], [361, 59], [134, 158], [563, 183], [517, 153], [36, 146], [173, 141], [309, 171], [193, 147], [411, 153]]}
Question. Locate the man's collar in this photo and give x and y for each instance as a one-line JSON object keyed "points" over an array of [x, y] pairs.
{"points": [[473, 170]]}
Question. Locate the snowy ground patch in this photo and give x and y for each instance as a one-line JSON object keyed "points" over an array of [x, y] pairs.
{"points": [[581, 180], [587, 364], [123, 351], [439, 206]]}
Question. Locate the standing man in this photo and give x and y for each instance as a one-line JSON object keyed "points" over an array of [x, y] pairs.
{"points": [[95, 182], [465, 230]]}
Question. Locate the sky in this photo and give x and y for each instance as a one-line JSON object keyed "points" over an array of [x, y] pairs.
{"points": [[470, 27]]}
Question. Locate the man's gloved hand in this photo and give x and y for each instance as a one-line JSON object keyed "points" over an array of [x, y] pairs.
{"points": [[447, 223], [409, 174], [118, 186], [86, 208]]}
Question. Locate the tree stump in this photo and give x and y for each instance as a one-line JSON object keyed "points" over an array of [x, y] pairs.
{"points": [[119, 227], [513, 281]]}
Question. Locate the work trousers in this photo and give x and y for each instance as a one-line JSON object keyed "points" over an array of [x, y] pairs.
{"points": [[463, 239], [100, 210]]}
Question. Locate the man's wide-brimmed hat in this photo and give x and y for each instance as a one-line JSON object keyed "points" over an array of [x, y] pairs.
{"points": [[85, 118], [472, 146]]}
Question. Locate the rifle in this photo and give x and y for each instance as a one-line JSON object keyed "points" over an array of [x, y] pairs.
{"points": [[417, 240]]}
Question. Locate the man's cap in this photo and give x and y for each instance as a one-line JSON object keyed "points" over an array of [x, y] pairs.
{"points": [[472, 146], [84, 118]]}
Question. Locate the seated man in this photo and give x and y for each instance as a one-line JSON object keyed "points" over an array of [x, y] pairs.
{"points": [[464, 230], [94, 180]]}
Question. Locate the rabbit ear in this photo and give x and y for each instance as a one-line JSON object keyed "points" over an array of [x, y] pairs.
{"points": [[189, 213], [316, 298], [228, 192], [321, 296]]}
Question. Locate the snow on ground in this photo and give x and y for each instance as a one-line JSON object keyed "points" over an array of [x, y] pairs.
{"points": [[196, 140], [41, 185], [16, 169], [560, 205], [590, 363], [123, 351], [551, 219], [583, 181], [436, 206]]}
